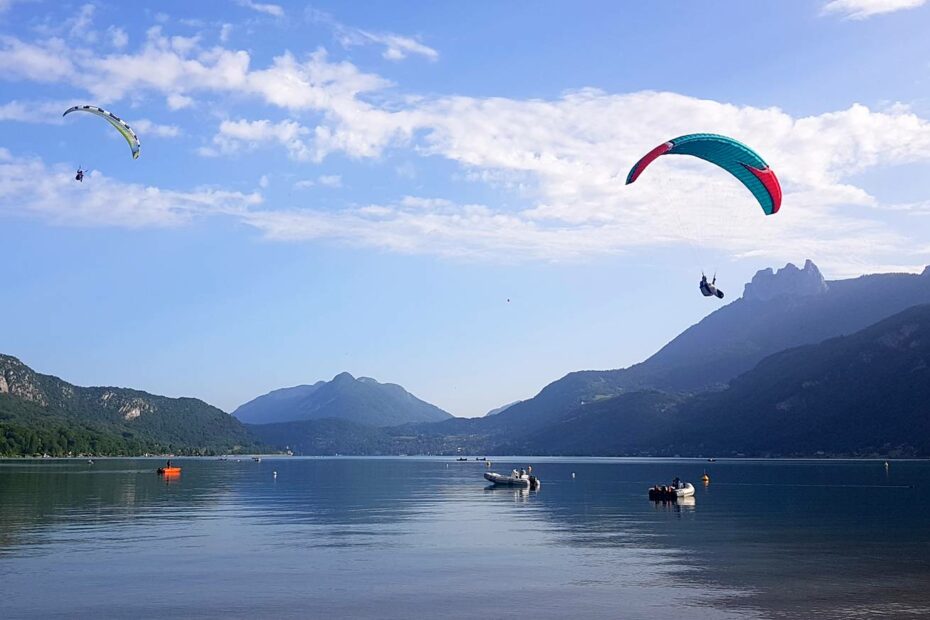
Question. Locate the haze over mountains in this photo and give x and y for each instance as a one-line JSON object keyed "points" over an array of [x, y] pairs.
{"points": [[796, 366]]}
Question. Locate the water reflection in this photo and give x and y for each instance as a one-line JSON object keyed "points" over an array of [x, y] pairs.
{"points": [[422, 536]]}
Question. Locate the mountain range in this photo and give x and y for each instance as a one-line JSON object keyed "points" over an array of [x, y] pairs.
{"points": [[797, 366], [778, 310]]}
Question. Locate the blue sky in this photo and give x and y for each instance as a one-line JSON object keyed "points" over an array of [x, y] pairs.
{"points": [[363, 186]]}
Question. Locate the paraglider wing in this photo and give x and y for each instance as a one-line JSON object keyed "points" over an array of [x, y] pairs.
{"points": [[731, 155], [114, 120]]}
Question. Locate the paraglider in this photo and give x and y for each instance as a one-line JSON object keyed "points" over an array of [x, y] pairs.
{"points": [[120, 125], [731, 155], [709, 289], [79, 176]]}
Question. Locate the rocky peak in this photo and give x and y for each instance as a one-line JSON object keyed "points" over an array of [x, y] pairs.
{"points": [[19, 380], [789, 280]]}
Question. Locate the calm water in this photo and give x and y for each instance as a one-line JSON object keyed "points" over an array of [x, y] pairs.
{"points": [[424, 538]]}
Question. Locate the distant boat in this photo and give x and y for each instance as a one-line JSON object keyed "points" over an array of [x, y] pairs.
{"points": [[461, 459], [525, 481], [169, 471], [711, 460], [257, 459]]}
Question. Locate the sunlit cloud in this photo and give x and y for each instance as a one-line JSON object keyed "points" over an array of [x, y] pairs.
{"points": [[863, 9], [558, 164]]}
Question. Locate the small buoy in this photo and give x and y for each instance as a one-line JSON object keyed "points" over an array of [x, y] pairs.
{"points": [[573, 475], [275, 474], [705, 478]]}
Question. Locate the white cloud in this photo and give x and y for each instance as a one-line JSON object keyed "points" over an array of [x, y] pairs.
{"points": [[46, 112], [225, 32], [49, 62], [263, 181], [396, 46], [326, 180], [178, 102], [235, 136], [559, 163], [145, 127], [118, 37], [863, 9], [102, 201], [268, 9], [81, 25]]}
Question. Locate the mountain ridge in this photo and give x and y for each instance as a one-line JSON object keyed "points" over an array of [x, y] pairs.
{"points": [[784, 308], [362, 400], [123, 419]]}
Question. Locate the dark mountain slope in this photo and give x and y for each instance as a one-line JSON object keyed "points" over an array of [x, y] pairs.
{"points": [[863, 394]]}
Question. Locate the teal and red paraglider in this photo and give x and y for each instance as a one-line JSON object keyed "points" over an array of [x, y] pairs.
{"points": [[731, 155]]}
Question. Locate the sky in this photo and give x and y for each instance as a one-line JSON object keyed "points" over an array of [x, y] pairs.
{"points": [[433, 194]]}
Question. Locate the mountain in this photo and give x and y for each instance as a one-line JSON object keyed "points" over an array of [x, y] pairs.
{"points": [[502, 408], [327, 436], [44, 414], [362, 400], [778, 310], [864, 394]]}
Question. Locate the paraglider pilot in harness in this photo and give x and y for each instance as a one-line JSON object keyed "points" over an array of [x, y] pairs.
{"points": [[709, 289], [79, 176]]}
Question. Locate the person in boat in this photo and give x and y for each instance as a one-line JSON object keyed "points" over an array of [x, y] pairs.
{"points": [[709, 289], [168, 466], [676, 483], [79, 176], [515, 473]]}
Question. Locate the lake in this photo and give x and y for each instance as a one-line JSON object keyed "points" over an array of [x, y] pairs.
{"points": [[425, 538]]}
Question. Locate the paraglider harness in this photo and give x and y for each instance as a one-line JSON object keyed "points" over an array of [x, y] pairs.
{"points": [[79, 176], [709, 289]]}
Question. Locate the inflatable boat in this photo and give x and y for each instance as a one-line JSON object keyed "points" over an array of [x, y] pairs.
{"points": [[525, 481], [665, 493], [169, 471]]}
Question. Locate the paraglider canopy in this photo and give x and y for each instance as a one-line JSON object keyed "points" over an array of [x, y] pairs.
{"points": [[731, 155], [120, 125]]}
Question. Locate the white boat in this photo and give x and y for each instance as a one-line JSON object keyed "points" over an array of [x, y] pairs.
{"points": [[669, 492], [525, 481]]}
